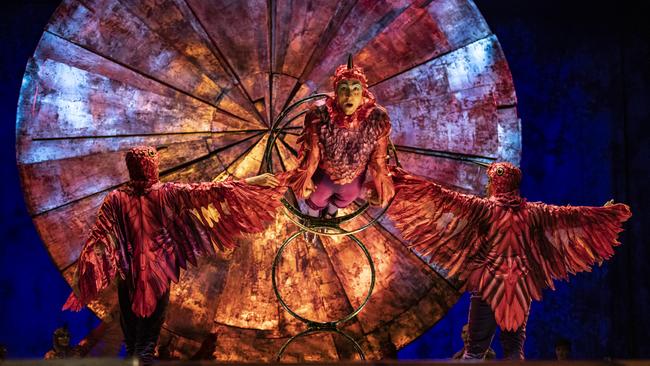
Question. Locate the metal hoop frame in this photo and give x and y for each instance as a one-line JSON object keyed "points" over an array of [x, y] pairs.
{"points": [[311, 331], [331, 223], [314, 323], [276, 128], [322, 227]]}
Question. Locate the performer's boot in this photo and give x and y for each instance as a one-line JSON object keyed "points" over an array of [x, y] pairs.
{"points": [[311, 237], [513, 342], [146, 352], [481, 328], [330, 212], [128, 320], [149, 330]]}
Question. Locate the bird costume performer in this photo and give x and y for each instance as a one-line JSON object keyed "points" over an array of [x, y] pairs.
{"points": [[506, 250], [147, 231], [341, 141]]}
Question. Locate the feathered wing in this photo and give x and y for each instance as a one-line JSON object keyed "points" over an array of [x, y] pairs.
{"points": [[532, 246], [196, 218], [442, 226], [216, 213], [501, 273], [175, 223], [301, 177], [571, 239], [508, 251], [101, 257]]}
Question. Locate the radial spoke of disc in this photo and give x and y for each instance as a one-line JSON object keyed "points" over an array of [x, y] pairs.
{"points": [[239, 33], [209, 155], [142, 135], [447, 154], [216, 51], [254, 153], [451, 51], [278, 156], [302, 57], [289, 147], [359, 27], [150, 77]]}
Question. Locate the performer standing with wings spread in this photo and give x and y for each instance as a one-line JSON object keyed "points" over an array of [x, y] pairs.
{"points": [[506, 250], [147, 231]]}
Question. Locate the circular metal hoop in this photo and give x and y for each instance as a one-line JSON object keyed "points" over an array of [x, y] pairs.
{"points": [[311, 331], [332, 223], [322, 227], [314, 323], [276, 128]]}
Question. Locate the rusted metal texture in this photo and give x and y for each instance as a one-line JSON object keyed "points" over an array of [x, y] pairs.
{"points": [[204, 81]]}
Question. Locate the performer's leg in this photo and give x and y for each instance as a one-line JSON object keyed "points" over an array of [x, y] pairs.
{"points": [[481, 328], [128, 320], [331, 211], [149, 330], [345, 194], [513, 342], [319, 199]]}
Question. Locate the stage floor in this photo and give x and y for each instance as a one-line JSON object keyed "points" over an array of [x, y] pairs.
{"points": [[133, 362]]}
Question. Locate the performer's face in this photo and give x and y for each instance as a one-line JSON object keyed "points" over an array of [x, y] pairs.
{"points": [[349, 94], [561, 352], [62, 338], [465, 333]]}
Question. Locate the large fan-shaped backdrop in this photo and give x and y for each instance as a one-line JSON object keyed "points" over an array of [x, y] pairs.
{"points": [[205, 81]]}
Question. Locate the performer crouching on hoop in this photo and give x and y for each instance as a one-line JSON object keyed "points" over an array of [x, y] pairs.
{"points": [[341, 141]]}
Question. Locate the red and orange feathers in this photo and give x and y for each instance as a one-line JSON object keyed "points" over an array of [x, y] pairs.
{"points": [[506, 249], [148, 231]]}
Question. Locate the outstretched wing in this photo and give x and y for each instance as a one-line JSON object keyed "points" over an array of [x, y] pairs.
{"points": [[102, 256], [196, 218], [204, 215], [185, 221], [572, 239], [441, 225]]}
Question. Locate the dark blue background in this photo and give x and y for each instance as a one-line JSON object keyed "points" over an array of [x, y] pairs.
{"points": [[581, 74]]}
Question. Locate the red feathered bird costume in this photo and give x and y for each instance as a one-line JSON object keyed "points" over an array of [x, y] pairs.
{"points": [[506, 250], [147, 231], [336, 150]]}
